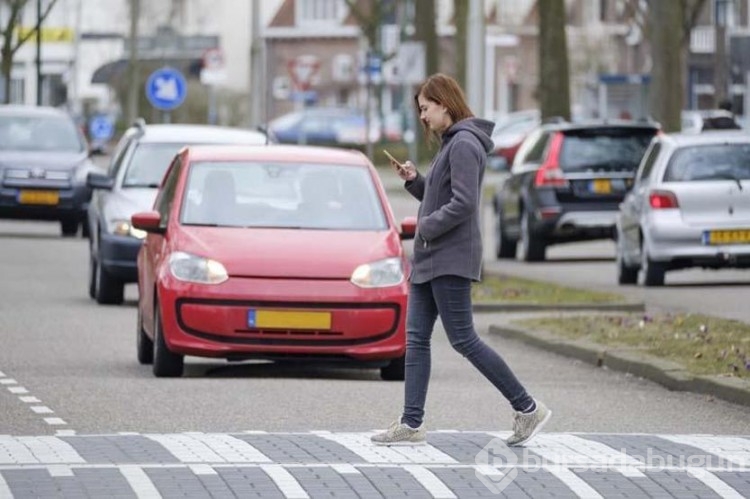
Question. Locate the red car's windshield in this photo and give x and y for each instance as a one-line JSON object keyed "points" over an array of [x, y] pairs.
{"points": [[284, 195]]}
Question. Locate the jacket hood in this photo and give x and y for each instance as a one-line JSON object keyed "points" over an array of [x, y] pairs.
{"points": [[481, 129]]}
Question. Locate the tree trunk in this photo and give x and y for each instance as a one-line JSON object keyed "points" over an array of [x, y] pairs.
{"points": [[666, 92], [5, 68], [554, 79], [461, 19], [425, 31]]}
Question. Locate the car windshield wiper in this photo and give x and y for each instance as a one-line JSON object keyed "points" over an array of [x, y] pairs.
{"points": [[729, 176]]}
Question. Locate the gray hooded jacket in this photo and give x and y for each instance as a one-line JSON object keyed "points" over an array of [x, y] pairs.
{"points": [[448, 240]]}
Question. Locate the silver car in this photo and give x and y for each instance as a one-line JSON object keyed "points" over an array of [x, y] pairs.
{"points": [[130, 185], [689, 207]]}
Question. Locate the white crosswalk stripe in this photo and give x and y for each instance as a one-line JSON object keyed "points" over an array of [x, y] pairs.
{"points": [[715, 484], [210, 448], [732, 449], [31, 450], [360, 444]]}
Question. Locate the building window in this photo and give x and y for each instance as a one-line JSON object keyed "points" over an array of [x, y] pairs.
{"points": [[320, 11], [17, 91]]}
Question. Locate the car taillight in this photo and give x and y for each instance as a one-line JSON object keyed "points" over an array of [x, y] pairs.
{"points": [[660, 200], [550, 174]]}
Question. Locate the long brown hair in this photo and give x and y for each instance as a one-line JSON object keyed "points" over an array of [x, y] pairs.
{"points": [[446, 91]]}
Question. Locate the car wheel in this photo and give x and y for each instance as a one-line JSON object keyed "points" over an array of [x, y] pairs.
{"points": [[92, 274], [653, 272], [144, 343], [394, 371], [504, 247], [626, 274], [533, 248], [69, 227], [166, 363], [109, 289]]}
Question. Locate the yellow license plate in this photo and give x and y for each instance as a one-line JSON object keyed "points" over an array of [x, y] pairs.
{"points": [[38, 197], [601, 186], [288, 319], [733, 236]]}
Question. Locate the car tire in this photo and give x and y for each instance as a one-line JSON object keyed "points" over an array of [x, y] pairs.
{"points": [[143, 342], [533, 248], [166, 363], [109, 290], [92, 274], [504, 247], [69, 227], [626, 274], [394, 371], [653, 272]]}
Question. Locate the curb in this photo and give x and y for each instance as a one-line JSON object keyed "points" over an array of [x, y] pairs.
{"points": [[563, 307], [666, 373]]}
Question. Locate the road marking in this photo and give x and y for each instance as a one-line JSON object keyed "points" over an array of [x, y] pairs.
{"points": [[2, 374], [42, 409], [574, 482], [55, 421], [360, 444], [60, 470], [203, 469], [715, 483], [212, 448], [345, 469], [17, 389], [571, 450], [287, 484], [630, 472], [29, 399], [4, 489], [430, 482], [733, 449], [139, 481], [8, 381]]}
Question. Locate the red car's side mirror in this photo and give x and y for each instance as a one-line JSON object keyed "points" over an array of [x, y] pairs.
{"points": [[150, 221], [408, 228]]}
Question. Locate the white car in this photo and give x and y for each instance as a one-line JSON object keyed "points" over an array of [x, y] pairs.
{"points": [[689, 207]]}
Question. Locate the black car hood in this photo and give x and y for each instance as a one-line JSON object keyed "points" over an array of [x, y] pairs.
{"points": [[49, 160]]}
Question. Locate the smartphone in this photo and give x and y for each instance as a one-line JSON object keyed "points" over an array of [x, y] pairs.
{"points": [[390, 156]]}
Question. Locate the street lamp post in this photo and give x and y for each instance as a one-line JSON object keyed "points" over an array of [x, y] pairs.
{"points": [[38, 52]]}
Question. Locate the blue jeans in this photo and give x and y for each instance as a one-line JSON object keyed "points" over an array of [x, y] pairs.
{"points": [[450, 298]]}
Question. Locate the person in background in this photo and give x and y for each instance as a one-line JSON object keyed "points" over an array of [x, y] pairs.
{"points": [[447, 259]]}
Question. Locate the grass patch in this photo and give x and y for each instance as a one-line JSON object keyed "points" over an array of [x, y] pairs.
{"points": [[702, 344], [507, 289]]}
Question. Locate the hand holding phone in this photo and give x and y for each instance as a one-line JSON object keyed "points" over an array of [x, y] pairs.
{"points": [[394, 161]]}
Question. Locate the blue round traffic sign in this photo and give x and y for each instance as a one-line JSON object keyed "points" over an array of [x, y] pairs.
{"points": [[101, 127], [166, 89]]}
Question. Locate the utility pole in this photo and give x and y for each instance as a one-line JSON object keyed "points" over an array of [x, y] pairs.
{"points": [[38, 52], [475, 60], [257, 93], [133, 64]]}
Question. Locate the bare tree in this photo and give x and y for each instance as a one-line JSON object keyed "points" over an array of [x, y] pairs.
{"points": [[426, 32], [13, 38], [667, 27], [554, 78]]}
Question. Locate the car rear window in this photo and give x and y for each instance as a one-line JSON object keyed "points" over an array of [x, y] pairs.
{"points": [[709, 162], [597, 149]]}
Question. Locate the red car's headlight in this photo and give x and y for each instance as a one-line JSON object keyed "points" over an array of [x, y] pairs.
{"points": [[193, 268], [380, 274]]}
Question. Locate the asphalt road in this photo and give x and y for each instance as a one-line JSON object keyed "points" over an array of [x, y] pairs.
{"points": [[69, 365]]}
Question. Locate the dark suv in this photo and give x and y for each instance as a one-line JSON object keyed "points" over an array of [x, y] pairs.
{"points": [[129, 186], [44, 161], [566, 184]]}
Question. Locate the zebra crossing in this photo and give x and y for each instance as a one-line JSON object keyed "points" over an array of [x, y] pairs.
{"points": [[453, 464]]}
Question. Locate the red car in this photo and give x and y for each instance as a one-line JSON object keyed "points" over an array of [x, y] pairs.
{"points": [[281, 252]]}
